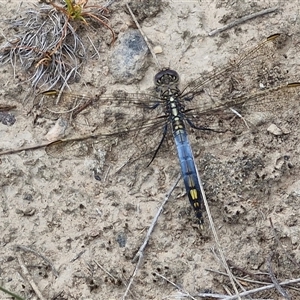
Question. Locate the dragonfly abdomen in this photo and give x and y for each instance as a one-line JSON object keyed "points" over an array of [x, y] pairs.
{"points": [[189, 171]]}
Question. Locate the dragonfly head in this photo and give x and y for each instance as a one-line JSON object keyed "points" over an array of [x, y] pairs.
{"points": [[166, 77], [166, 82]]}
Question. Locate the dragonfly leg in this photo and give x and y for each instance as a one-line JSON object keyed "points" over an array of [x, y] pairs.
{"points": [[202, 127], [160, 143]]}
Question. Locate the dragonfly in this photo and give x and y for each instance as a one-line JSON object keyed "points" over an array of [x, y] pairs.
{"points": [[145, 122]]}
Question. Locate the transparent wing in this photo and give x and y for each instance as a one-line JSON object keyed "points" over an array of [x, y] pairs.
{"points": [[247, 71], [256, 81], [135, 122], [53, 104], [272, 104]]}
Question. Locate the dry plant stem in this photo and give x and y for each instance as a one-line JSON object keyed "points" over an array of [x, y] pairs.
{"points": [[281, 246], [219, 296], [239, 278], [48, 46], [217, 241], [115, 279], [11, 294], [94, 47], [139, 255], [83, 14], [274, 279], [64, 85], [28, 277], [267, 287], [253, 291], [26, 249], [103, 23], [242, 20], [246, 272], [209, 296], [13, 151], [235, 279], [144, 36], [77, 256], [185, 293], [105, 271], [240, 116], [4, 107], [154, 221]]}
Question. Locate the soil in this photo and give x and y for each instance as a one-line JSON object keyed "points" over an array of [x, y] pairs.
{"points": [[89, 224]]}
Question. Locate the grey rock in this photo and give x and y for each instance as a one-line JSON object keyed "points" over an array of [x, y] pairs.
{"points": [[7, 118], [129, 59]]}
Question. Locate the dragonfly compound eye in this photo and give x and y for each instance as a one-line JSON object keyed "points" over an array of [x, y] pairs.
{"points": [[166, 76]]}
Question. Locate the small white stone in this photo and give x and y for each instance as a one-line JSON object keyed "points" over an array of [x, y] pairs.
{"points": [[274, 130], [57, 130], [157, 49]]}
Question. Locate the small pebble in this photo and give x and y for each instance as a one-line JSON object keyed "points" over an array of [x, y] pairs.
{"points": [[274, 130], [57, 130], [7, 118], [157, 49]]}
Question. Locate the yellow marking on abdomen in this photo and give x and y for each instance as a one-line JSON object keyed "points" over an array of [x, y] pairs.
{"points": [[191, 182], [194, 194]]}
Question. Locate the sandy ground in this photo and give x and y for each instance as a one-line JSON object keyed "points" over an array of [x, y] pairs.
{"points": [[91, 229]]}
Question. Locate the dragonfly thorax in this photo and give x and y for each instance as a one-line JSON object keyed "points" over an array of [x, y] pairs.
{"points": [[174, 110]]}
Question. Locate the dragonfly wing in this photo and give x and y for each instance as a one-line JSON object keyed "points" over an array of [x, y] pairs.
{"points": [[123, 153], [254, 67], [137, 119], [133, 122], [275, 104], [255, 81], [53, 104]]}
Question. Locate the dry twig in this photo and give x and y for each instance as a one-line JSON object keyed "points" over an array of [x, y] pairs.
{"points": [[26, 249], [243, 20], [28, 277], [281, 246], [139, 255], [144, 36], [253, 291], [217, 241], [185, 293], [274, 279]]}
